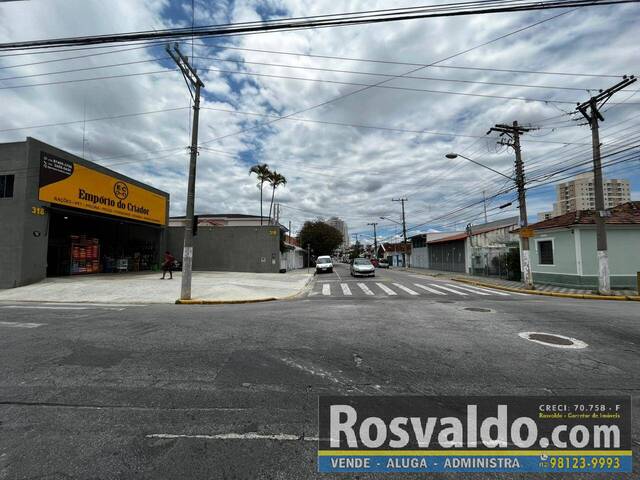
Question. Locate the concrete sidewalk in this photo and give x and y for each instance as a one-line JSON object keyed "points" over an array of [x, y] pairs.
{"points": [[498, 282], [213, 287]]}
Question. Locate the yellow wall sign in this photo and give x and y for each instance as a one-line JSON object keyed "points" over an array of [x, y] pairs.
{"points": [[74, 185]]}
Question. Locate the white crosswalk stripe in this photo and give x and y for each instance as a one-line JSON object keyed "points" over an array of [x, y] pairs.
{"points": [[326, 289], [406, 289], [467, 289], [365, 289], [424, 287], [345, 289], [386, 289], [449, 289], [495, 292]]}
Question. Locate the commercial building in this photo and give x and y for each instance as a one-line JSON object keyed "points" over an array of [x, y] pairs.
{"points": [[480, 250], [64, 215], [341, 226], [563, 251], [579, 194]]}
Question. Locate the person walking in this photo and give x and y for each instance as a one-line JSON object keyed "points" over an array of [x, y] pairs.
{"points": [[167, 265]]}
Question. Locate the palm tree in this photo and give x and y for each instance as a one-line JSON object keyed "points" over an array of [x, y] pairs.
{"points": [[263, 173], [275, 180]]}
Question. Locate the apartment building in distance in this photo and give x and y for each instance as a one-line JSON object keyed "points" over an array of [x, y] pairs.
{"points": [[579, 194], [341, 226]]}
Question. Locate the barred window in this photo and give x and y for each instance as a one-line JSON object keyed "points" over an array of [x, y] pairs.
{"points": [[545, 252]]}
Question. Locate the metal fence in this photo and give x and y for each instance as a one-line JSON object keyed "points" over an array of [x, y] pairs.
{"points": [[500, 262]]}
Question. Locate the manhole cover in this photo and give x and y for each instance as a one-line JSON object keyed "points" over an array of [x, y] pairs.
{"points": [[476, 309], [553, 340]]}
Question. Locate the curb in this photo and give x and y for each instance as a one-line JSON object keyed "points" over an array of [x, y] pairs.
{"points": [[254, 300], [588, 296]]}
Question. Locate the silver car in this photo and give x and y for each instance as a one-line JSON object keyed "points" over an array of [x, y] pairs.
{"points": [[362, 267], [324, 264]]}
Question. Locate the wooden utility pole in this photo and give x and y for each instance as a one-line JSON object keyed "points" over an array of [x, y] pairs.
{"points": [[513, 132], [404, 232], [375, 238], [590, 110], [194, 84]]}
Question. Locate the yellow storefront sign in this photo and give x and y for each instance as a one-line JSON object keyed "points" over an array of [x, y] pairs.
{"points": [[68, 183]]}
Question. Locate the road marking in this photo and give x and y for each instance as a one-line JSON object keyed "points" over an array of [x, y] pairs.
{"points": [[406, 289], [429, 289], [326, 289], [449, 289], [336, 271], [386, 289], [236, 436], [468, 289], [21, 324], [45, 308], [365, 289], [345, 289], [106, 305], [487, 290]]}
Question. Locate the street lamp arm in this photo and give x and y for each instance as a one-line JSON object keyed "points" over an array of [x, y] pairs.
{"points": [[454, 155]]}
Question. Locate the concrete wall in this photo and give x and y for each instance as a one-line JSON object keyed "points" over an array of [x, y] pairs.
{"points": [[232, 249], [420, 257]]}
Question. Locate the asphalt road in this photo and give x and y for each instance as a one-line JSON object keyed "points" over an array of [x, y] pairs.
{"points": [[230, 391]]}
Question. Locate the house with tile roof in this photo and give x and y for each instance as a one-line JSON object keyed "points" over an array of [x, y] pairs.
{"points": [[563, 250]]}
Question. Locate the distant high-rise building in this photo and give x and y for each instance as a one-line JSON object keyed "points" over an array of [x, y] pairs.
{"points": [[578, 194], [339, 224]]}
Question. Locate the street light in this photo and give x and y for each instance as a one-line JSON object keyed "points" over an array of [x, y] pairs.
{"points": [[385, 218], [456, 155]]}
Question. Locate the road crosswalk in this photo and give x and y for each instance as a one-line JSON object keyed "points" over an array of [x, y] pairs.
{"points": [[395, 289]]}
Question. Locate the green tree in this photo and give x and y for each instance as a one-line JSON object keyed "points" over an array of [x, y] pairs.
{"points": [[275, 180], [263, 173], [323, 238]]}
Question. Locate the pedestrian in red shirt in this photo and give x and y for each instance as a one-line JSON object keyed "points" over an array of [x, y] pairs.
{"points": [[167, 265]]}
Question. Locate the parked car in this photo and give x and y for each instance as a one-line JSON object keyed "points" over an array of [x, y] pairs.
{"points": [[324, 264], [362, 267], [374, 262], [382, 263]]}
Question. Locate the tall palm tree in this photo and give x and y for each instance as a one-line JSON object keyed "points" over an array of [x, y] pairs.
{"points": [[275, 180], [263, 173]]}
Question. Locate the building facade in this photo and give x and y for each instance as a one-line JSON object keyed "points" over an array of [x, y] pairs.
{"points": [[579, 194], [63, 215], [341, 226], [563, 251]]}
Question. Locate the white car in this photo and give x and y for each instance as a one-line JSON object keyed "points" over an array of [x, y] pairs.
{"points": [[324, 264], [363, 267]]}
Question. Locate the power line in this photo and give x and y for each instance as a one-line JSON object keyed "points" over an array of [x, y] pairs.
{"points": [[320, 21]]}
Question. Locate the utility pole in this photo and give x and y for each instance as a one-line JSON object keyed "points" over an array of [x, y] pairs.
{"points": [[404, 232], [194, 84], [592, 116], [513, 132], [308, 256], [375, 238], [484, 201]]}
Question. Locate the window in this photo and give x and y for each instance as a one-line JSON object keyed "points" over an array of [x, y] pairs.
{"points": [[6, 186], [545, 252]]}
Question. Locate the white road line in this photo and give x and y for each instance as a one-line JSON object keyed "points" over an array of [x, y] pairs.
{"points": [[237, 436], [21, 325], [477, 292], [490, 291], [386, 289], [406, 289], [345, 289], [429, 289], [106, 305], [365, 289], [32, 307], [449, 289], [326, 289]]}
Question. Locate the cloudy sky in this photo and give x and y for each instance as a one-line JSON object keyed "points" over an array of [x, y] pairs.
{"points": [[347, 157]]}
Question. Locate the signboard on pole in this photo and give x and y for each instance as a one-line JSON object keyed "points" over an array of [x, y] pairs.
{"points": [[526, 232]]}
